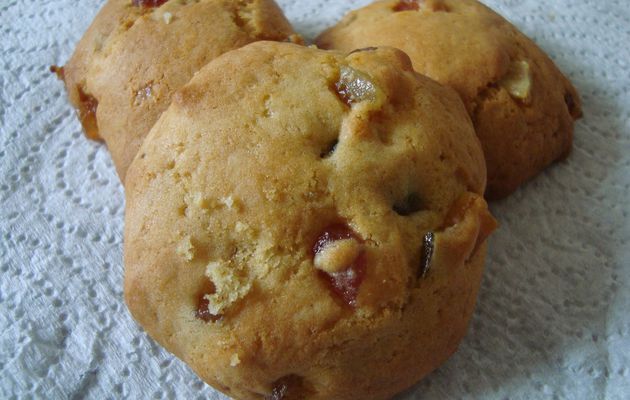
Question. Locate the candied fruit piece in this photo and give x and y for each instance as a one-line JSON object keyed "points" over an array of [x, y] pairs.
{"points": [[148, 3], [287, 388], [518, 81], [202, 312], [428, 244], [345, 284], [87, 113], [344, 263], [572, 105], [415, 5], [353, 86], [363, 49], [570, 102], [407, 5]]}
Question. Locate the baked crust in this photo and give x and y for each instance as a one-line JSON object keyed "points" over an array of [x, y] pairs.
{"points": [[268, 149], [133, 58], [522, 106]]}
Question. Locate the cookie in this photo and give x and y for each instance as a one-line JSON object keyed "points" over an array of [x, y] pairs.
{"points": [[137, 53], [302, 224], [523, 108]]}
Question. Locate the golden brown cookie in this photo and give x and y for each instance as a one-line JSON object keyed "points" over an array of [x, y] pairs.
{"points": [[137, 53], [522, 106], [302, 224]]}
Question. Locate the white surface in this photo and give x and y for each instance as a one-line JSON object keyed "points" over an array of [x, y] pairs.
{"points": [[553, 319]]}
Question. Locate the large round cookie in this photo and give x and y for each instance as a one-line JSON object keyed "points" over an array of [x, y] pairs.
{"points": [[522, 106], [302, 224], [137, 53]]}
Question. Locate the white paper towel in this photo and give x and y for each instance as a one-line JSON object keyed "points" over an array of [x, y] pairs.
{"points": [[553, 315]]}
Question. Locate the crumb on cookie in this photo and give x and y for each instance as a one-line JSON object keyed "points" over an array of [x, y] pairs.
{"points": [[234, 360], [186, 249], [231, 284]]}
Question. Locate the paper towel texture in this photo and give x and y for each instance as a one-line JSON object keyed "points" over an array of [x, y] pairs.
{"points": [[553, 318]]}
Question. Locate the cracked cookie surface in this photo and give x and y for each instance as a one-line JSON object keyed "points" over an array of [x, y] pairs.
{"points": [[136, 54], [522, 106], [305, 224]]}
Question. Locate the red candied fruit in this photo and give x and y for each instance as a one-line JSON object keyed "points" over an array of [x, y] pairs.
{"points": [[89, 104], [568, 99], [572, 106], [407, 5], [148, 3], [346, 283], [202, 312], [288, 387], [279, 392], [87, 113]]}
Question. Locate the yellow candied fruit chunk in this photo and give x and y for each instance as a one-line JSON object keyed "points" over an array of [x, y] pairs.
{"points": [[518, 81], [354, 86]]}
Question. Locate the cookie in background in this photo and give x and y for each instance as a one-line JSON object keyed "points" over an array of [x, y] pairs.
{"points": [[137, 53], [522, 106]]}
